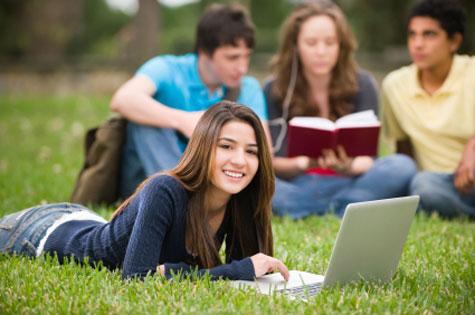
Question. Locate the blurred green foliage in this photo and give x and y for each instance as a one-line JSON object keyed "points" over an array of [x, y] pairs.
{"points": [[12, 41], [178, 28], [23, 20], [102, 33], [101, 24], [379, 25]]}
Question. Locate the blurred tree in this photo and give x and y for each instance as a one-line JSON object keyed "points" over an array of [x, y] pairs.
{"points": [[268, 15], [145, 32], [40, 30], [180, 25], [45, 33], [377, 24], [206, 3], [99, 23], [48, 32], [12, 41], [380, 25], [468, 46]]}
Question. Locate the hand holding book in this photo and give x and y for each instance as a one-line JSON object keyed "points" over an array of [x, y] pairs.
{"points": [[357, 133], [338, 161]]}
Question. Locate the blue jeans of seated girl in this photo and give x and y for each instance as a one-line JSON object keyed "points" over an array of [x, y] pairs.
{"points": [[310, 194], [21, 232]]}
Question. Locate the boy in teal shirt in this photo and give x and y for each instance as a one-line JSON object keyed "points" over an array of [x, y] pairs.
{"points": [[168, 94]]}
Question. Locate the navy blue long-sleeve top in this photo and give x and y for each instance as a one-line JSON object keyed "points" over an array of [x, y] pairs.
{"points": [[149, 232]]}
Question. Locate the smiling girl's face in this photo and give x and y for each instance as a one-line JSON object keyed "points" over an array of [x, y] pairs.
{"points": [[236, 159]]}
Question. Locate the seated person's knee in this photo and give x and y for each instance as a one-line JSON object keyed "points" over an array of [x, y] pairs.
{"points": [[400, 165], [425, 185]]}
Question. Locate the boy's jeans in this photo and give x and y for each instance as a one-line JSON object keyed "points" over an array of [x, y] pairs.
{"points": [[438, 194], [147, 150], [317, 194]]}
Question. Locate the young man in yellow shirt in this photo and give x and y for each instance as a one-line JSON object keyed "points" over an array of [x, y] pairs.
{"points": [[429, 109]]}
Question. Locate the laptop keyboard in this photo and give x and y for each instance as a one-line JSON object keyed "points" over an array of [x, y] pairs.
{"points": [[302, 291]]}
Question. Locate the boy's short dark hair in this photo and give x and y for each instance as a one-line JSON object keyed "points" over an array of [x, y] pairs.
{"points": [[223, 25], [449, 14]]}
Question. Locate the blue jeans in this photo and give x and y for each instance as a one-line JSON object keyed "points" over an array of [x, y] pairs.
{"points": [[147, 150], [316, 194], [21, 232], [438, 193]]}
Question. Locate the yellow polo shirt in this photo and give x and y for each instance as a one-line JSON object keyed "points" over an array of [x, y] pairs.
{"points": [[438, 125]]}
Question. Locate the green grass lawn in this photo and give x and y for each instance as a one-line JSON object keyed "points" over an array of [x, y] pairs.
{"points": [[40, 155]]}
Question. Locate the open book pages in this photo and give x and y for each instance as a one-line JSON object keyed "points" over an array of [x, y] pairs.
{"points": [[365, 118]]}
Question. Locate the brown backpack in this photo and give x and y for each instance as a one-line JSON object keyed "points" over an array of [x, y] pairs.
{"points": [[98, 179]]}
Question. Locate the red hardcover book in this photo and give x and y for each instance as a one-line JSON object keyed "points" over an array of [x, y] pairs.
{"points": [[358, 133]]}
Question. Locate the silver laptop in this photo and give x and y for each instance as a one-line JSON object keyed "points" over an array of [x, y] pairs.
{"points": [[368, 247]]}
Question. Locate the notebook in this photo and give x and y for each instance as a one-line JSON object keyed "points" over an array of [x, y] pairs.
{"points": [[368, 247]]}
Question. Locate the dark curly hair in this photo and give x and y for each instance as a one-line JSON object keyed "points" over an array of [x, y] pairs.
{"points": [[449, 14]]}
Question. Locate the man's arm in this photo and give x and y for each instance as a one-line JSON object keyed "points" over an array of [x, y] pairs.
{"points": [[134, 101], [464, 179]]}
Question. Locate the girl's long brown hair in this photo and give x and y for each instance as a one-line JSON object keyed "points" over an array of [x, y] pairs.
{"points": [[343, 83], [250, 210]]}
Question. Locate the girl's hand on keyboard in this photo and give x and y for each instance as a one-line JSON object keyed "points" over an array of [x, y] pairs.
{"points": [[264, 264]]}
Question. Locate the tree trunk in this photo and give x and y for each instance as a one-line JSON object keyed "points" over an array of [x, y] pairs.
{"points": [[145, 33], [49, 26]]}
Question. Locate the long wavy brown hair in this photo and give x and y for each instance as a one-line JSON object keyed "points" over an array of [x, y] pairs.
{"points": [[343, 83], [249, 210]]}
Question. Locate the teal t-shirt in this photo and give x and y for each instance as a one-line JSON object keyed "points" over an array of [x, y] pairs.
{"points": [[178, 85]]}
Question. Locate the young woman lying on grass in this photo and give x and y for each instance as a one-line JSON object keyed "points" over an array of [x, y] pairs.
{"points": [[176, 221]]}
